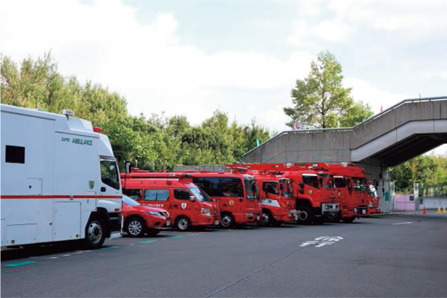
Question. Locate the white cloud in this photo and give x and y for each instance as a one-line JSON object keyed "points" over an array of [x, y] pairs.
{"points": [[102, 41], [377, 98]]}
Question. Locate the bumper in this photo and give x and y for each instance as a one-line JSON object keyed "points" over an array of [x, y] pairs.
{"points": [[249, 217], [160, 223], [207, 220], [356, 212], [285, 215], [329, 208]]}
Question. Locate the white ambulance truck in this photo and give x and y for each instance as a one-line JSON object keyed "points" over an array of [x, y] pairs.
{"points": [[59, 180]]}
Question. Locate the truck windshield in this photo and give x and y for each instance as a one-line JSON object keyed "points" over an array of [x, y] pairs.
{"points": [[359, 184], [200, 194], [109, 173], [129, 201], [326, 181], [251, 188], [286, 188]]}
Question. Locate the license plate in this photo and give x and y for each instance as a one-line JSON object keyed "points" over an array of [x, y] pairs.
{"points": [[216, 222], [168, 223]]}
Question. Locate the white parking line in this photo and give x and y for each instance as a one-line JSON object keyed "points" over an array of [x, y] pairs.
{"points": [[402, 223]]}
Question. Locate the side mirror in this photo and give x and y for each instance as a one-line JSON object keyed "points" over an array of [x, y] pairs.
{"points": [[302, 185], [192, 198]]}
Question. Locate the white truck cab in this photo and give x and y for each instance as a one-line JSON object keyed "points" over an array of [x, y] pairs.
{"points": [[59, 180]]}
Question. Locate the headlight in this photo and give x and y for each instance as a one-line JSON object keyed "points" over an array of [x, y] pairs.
{"points": [[355, 210], [205, 211], [154, 213]]}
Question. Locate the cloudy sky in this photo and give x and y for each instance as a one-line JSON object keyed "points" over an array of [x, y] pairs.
{"points": [[240, 56]]}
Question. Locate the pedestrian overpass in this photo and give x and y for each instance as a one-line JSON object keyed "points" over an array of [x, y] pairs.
{"points": [[405, 130]]}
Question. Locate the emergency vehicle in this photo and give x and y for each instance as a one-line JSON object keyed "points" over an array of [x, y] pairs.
{"points": [[237, 194], [187, 204], [277, 201], [312, 189], [352, 189], [59, 180], [139, 220]]}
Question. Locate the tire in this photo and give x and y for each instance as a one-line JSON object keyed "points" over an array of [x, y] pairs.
{"points": [[266, 219], [135, 227], [348, 219], [226, 220], [306, 215], [95, 233], [182, 223], [152, 232]]}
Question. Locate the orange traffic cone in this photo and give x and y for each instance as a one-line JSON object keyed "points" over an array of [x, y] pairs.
{"points": [[424, 210]]}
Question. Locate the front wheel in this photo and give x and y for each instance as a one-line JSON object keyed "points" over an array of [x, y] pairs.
{"points": [[348, 219], [305, 215], [266, 219], [95, 233], [226, 220], [183, 223], [135, 227]]}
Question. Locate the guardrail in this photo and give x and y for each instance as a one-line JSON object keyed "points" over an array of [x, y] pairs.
{"points": [[406, 101]]}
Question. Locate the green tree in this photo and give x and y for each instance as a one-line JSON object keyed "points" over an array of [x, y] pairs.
{"points": [[320, 101]]}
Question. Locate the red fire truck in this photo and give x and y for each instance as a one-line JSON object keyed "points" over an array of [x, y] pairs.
{"points": [[353, 191], [312, 187], [236, 193], [187, 204], [277, 201]]}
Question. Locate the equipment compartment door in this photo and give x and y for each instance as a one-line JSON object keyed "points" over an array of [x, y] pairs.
{"points": [[67, 221]]}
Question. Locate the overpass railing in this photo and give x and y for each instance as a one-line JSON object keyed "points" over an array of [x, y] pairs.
{"points": [[372, 118]]}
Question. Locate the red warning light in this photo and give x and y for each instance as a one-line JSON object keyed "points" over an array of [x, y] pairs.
{"points": [[97, 129]]}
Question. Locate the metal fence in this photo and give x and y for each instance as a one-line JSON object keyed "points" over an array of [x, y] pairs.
{"points": [[433, 191]]}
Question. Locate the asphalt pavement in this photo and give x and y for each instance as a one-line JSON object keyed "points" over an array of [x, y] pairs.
{"points": [[397, 255]]}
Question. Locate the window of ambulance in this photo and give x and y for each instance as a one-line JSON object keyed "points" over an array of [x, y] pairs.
{"points": [[156, 194], [311, 180], [109, 173], [251, 188], [133, 193], [182, 194]]}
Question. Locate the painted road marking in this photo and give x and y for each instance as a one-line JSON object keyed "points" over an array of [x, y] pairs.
{"points": [[176, 237], [18, 264], [403, 223], [67, 255], [322, 241], [109, 247], [147, 241]]}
